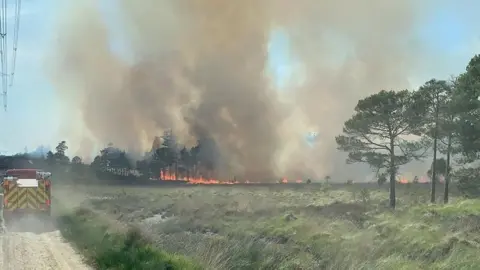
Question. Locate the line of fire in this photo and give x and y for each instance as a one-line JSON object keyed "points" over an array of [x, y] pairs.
{"points": [[201, 171], [198, 170]]}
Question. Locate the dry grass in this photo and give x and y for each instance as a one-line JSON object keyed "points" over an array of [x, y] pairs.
{"points": [[309, 227]]}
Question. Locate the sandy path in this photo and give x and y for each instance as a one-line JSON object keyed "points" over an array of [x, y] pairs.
{"points": [[22, 249], [26, 250]]}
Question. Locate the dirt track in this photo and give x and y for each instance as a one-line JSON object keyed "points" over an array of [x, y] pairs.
{"points": [[34, 244], [28, 250]]}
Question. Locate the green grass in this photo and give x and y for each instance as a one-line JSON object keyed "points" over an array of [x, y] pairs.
{"points": [[311, 227], [108, 248]]}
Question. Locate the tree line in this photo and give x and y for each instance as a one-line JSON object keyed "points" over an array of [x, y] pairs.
{"points": [[442, 117], [168, 159]]}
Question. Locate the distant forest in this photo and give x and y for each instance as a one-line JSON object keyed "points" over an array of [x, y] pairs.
{"points": [[166, 158]]}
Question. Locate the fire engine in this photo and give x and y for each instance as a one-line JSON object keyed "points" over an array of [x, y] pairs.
{"points": [[26, 192]]}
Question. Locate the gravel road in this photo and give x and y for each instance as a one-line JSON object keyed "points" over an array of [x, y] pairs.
{"points": [[37, 251]]}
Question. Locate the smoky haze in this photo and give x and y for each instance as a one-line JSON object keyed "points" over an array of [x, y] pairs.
{"points": [[200, 67]]}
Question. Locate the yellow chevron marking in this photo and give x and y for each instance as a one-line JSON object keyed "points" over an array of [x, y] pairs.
{"points": [[31, 197], [11, 197], [32, 204], [43, 192], [26, 198], [42, 195], [22, 198]]}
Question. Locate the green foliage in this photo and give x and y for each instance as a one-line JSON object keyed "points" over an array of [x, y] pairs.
{"points": [[445, 112], [78, 168], [50, 158], [375, 130], [167, 157], [439, 123], [467, 106], [60, 157], [164, 157], [281, 228], [468, 181], [77, 160], [434, 98], [109, 249], [61, 148], [441, 167], [382, 178]]}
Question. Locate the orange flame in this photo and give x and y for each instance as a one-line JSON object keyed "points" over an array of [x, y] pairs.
{"points": [[166, 176], [196, 180], [403, 180], [421, 179]]}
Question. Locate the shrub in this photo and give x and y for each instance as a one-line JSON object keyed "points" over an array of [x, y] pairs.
{"points": [[109, 249]]}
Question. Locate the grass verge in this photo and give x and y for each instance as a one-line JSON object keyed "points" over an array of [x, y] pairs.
{"points": [[308, 228], [108, 248]]}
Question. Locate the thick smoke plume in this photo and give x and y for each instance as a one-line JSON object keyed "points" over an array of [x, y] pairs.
{"points": [[200, 67]]}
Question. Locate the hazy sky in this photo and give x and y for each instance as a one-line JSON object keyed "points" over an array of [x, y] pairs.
{"points": [[451, 32]]}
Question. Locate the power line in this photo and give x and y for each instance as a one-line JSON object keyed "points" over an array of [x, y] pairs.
{"points": [[3, 50], [18, 7], [5, 73]]}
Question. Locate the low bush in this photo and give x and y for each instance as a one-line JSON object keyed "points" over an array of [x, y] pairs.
{"points": [[109, 248]]}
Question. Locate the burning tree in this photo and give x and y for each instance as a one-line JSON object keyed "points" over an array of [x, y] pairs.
{"points": [[376, 133], [173, 162], [165, 157]]}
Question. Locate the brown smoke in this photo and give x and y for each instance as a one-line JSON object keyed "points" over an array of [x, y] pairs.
{"points": [[200, 68]]}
